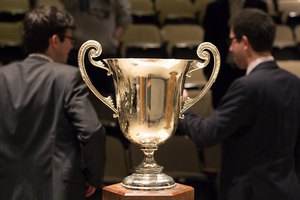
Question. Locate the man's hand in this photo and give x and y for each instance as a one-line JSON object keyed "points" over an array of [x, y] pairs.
{"points": [[89, 190]]}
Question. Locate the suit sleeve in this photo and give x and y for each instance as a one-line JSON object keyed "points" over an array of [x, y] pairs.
{"points": [[233, 113], [90, 132]]}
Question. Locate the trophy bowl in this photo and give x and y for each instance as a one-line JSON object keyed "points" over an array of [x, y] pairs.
{"points": [[148, 100]]}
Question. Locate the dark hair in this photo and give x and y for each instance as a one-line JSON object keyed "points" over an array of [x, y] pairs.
{"points": [[257, 25], [42, 23]]}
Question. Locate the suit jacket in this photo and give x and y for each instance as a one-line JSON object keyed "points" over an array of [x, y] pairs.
{"points": [[217, 31], [51, 141], [258, 123]]}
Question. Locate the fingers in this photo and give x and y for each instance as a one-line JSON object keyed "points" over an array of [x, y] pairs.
{"points": [[89, 190]]}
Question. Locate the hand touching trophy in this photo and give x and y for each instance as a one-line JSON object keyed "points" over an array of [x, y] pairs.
{"points": [[148, 103]]}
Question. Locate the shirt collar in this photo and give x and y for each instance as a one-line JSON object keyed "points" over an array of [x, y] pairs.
{"points": [[41, 56], [256, 62]]}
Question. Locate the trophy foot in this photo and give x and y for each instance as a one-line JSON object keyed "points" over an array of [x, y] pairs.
{"points": [[149, 182], [148, 174]]}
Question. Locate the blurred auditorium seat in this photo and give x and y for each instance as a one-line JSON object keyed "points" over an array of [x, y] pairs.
{"points": [[292, 66], [11, 41], [143, 12], [287, 6], [293, 19], [142, 41], [11, 33], [203, 107], [13, 10], [175, 11], [297, 34], [56, 3], [182, 40], [285, 47], [116, 167], [272, 7]]}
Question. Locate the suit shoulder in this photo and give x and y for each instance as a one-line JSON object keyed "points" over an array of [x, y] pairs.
{"points": [[9, 66], [64, 68]]}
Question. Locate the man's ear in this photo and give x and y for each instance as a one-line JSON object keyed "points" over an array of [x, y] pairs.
{"points": [[246, 42], [54, 41]]}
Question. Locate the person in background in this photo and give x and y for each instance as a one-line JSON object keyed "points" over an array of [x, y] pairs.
{"points": [[258, 119], [104, 21], [52, 145], [216, 31]]}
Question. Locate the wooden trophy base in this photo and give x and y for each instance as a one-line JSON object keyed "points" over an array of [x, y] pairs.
{"points": [[117, 192]]}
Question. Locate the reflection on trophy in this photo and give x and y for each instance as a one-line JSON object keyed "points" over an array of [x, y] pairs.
{"points": [[148, 103]]}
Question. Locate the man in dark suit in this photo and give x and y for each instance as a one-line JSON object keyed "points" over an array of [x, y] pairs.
{"points": [[258, 119], [216, 31], [52, 145]]}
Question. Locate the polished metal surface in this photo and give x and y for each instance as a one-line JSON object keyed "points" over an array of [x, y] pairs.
{"points": [[148, 103]]}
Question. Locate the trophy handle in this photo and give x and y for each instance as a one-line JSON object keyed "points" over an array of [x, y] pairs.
{"points": [[206, 57], [93, 53]]}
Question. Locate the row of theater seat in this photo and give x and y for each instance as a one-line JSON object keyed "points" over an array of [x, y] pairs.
{"points": [[150, 41], [161, 12], [17, 8], [287, 43], [182, 40], [161, 42], [170, 41], [164, 10]]}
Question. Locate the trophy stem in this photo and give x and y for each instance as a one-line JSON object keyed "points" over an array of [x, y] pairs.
{"points": [[148, 174], [148, 165]]}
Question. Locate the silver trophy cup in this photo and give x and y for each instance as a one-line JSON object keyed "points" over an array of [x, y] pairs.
{"points": [[148, 103]]}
